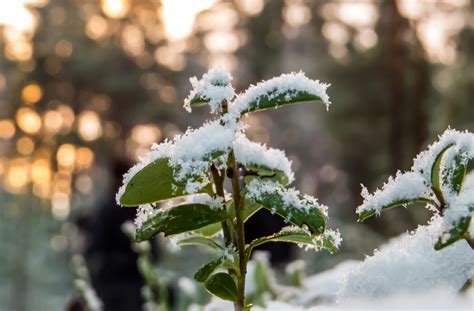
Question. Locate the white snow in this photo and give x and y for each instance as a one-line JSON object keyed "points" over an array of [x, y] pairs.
{"points": [[204, 198], [194, 148], [190, 154], [214, 87], [144, 212], [251, 153], [463, 142], [435, 299], [409, 185], [409, 263], [285, 84], [292, 198]]}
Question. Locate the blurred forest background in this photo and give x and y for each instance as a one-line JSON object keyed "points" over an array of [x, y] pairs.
{"points": [[88, 85]]}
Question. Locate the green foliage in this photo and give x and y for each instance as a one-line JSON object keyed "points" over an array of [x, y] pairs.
{"points": [[222, 285], [179, 219], [310, 215], [367, 214], [206, 215], [153, 183], [447, 161], [199, 240], [273, 100]]}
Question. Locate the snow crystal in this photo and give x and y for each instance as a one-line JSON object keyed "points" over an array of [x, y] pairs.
{"points": [[194, 149], [190, 154], [292, 198], [407, 186], [215, 203], [463, 142], [274, 87], [252, 153], [213, 87], [410, 263], [144, 212]]}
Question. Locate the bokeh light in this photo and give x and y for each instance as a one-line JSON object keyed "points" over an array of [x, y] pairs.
{"points": [[28, 120], [31, 93], [7, 129], [89, 126]]}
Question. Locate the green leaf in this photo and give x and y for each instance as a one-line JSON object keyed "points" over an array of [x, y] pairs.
{"points": [[179, 219], [298, 236], [267, 173], [199, 240], [222, 285], [251, 208], [311, 216], [366, 214], [210, 231], [459, 171], [206, 270], [198, 101], [153, 183], [272, 100], [436, 174], [455, 234]]}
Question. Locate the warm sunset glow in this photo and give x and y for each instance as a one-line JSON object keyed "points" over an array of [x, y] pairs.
{"points": [[84, 158], [67, 118], [17, 175], [146, 134], [179, 15], [66, 155], [115, 8], [25, 146], [40, 171], [89, 126], [31, 93], [96, 27], [28, 120], [52, 121], [7, 129]]}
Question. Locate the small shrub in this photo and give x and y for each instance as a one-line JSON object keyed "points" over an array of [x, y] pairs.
{"points": [[437, 179], [189, 173]]}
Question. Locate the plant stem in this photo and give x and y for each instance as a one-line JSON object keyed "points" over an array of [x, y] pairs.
{"points": [[219, 183], [233, 174]]}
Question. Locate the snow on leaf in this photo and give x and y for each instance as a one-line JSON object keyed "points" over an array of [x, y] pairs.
{"points": [[255, 155], [287, 88], [213, 88], [463, 143], [402, 189], [301, 210], [144, 212]]}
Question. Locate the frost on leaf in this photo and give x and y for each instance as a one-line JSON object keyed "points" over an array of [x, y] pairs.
{"points": [[285, 89], [437, 177], [190, 156], [402, 189], [301, 210], [144, 212], [463, 143], [213, 88], [255, 156]]}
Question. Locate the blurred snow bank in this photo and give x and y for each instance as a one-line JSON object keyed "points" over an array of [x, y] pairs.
{"points": [[439, 299]]}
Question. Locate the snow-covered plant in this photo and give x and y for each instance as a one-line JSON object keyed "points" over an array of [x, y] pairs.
{"points": [[189, 172], [438, 179]]}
